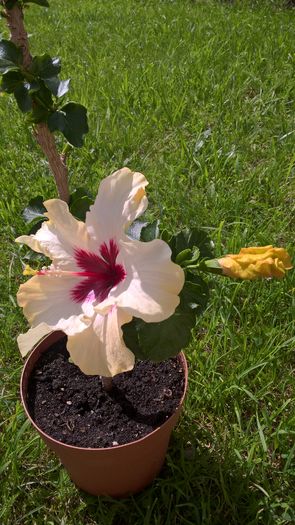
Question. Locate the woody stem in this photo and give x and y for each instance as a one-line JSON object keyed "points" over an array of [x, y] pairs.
{"points": [[45, 139], [107, 383]]}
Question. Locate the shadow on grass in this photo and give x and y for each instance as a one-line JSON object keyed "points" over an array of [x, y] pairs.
{"points": [[195, 486]]}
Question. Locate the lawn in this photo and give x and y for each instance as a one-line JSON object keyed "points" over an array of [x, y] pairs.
{"points": [[200, 97]]}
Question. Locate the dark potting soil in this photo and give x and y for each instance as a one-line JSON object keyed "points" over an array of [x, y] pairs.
{"points": [[72, 407]]}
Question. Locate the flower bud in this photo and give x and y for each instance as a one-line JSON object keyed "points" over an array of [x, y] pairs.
{"points": [[256, 262]]}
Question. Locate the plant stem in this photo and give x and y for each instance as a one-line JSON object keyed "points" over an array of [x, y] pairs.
{"points": [[107, 383], [45, 139]]}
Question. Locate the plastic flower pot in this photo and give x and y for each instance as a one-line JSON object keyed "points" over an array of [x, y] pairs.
{"points": [[116, 471]]}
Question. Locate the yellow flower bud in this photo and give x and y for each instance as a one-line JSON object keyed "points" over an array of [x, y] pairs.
{"points": [[256, 262], [29, 271]]}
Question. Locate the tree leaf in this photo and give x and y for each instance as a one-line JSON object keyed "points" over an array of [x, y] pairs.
{"points": [[23, 97], [43, 97], [11, 80], [9, 4], [35, 225], [194, 294], [79, 193], [71, 120], [35, 210], [134, 230], [39, 114], [159, 341], [44, 66], [10, 56], [80, 202], [80, 207], [57, 87], [144, 231], [150, 231], [190, 239]]}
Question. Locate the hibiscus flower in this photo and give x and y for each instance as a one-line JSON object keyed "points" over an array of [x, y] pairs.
{"points": [[99, 277]]}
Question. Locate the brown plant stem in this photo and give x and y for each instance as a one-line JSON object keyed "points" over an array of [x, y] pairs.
{"points": [[107, 383], [45, 139]]}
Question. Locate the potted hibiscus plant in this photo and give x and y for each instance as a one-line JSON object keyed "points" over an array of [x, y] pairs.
{"points": [[116, 298], [113, 302]]}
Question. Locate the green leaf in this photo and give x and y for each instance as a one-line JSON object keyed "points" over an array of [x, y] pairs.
{"points": [[183, 256], [39, 114], [35, 225], [44, 66], [159, 341], [190, 239], [43, 3], [194, 295], [10, 4], [11, 80], [71, 120], [144, 231], [79, 193], [23, 97], [43, 96], [150, 231], [34, 210], [57, 87], [80, 201], [10, 56], [134, 230]]}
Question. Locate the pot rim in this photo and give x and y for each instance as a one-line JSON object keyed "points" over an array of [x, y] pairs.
{"points": [[23, 392]]}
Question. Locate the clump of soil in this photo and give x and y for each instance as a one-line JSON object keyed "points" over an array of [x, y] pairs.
{"points": [[73, 408]]}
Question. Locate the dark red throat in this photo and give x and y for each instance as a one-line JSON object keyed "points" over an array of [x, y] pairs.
{"points": [[100, 272]]}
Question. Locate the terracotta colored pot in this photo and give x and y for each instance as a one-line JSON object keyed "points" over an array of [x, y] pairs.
{"points": [[116, 471]]}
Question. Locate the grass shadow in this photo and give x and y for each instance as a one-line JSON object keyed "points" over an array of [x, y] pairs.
{"points": [[195, 486]]}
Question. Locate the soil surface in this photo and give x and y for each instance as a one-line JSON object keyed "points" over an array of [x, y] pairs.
{"points": [[72, 407]]}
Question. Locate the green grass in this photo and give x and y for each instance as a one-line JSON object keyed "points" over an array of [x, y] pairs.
{"points": [[199, 96]]}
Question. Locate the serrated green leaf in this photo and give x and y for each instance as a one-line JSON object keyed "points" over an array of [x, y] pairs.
{"points": [[150, 231], [57, 87], [10, 56], [43, 3], [23, 97], [44, 66], [11, 80], [71, 120], [35, 210]]}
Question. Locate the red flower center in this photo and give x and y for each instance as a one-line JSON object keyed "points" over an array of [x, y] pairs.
{"points": [[100, 272]]}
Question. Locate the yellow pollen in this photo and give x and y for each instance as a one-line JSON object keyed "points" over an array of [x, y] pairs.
{"points": [[29, 271]]}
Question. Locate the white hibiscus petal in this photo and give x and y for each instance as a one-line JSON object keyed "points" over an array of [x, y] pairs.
{"points": [[47, 299], [153, 282], [59, 236], [121, 199], [33, 336], [100, 349]]}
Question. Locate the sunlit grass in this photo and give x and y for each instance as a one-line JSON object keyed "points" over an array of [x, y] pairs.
{"points": [[199, 96]]}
